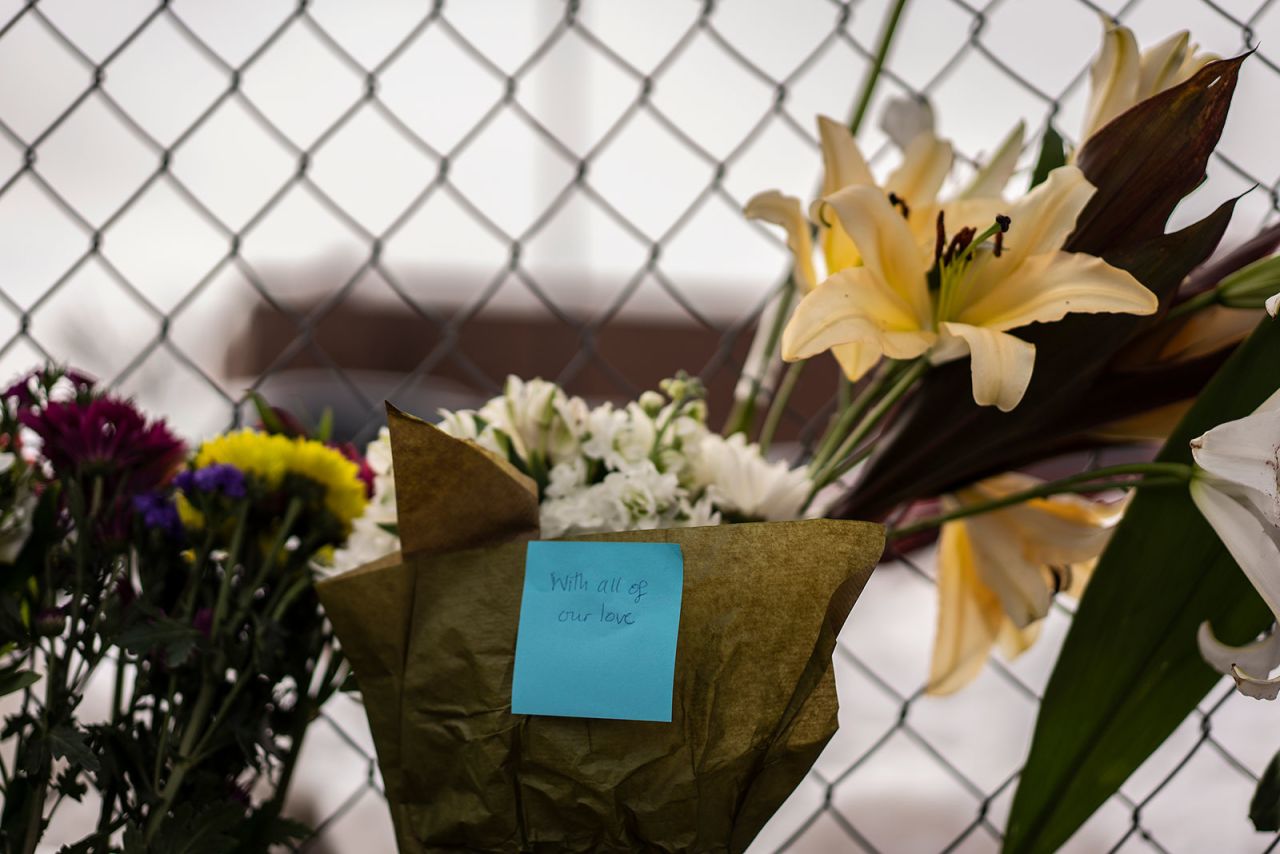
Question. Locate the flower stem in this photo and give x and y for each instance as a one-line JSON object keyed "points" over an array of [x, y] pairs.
{"points": [[743, 415], [877, 65], [903, 383], [849, 415], [779, 405], [1151, 475]]}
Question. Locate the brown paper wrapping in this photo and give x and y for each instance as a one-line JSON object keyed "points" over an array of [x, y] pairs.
{"points": [[431, 634]]}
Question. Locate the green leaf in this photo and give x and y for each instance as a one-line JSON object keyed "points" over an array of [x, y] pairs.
{"points": [[1053, 153], [1264, 809], [271, 421], [72, 744], [324, 430], [12, 680], [188, 832], [1130, 671], [174, 638]]}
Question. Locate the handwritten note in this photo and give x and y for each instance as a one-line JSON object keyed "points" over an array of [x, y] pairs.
{"points": [[598, 626]]}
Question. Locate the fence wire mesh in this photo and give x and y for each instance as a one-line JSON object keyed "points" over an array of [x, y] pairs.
{"points": [[170, 170]]}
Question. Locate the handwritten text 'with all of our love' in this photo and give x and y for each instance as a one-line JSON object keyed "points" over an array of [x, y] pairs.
{"points": [[576, 582]]}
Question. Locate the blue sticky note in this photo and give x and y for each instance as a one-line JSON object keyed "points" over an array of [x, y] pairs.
{"points": [[598, 626]]}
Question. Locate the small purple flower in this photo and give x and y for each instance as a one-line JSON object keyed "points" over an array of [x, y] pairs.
{"points": [[220, 478], [158, 512]]}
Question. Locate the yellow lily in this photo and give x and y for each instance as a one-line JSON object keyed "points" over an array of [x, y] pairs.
{"points": [[1122, 75], [889, 307], [998, 572], [913, 187]]}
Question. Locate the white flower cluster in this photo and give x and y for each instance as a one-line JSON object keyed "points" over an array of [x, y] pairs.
{"points": [[650, 464]]}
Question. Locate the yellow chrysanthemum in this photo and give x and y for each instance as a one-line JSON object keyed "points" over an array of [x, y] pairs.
{"points": [[269, 458]]}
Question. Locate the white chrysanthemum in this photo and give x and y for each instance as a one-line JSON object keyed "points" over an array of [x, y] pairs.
{"points": [[620, 437], [741, 482]]}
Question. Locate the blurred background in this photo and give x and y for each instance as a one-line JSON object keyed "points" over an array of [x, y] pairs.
{"points": [[340, 203]]}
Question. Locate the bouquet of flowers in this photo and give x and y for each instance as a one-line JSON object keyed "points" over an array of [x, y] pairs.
{"points": [[991, 326], [184, 580], [984, 336]]}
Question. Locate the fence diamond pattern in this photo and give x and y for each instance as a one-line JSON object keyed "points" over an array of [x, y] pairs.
{"points": [[163, 167]]}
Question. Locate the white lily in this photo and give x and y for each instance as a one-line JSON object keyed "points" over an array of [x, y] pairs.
{"points": [[1237, 488], [1273, 305], [1122, 76], [886, 307], [998, 572]]}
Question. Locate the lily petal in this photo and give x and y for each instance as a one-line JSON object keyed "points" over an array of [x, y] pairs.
{"points": [[785, 211], [1001, 364], [842, 162], [1113, 78], [925, 165], [1024, 587], [1249, 538], [888, 247], [1042, 220], [1273, 305], [1064, 530], [992, 178], [1048, 287], [854, 307], [1247, 452], [969, 615], [1262, 656], [856, 359], [1161, 63]]}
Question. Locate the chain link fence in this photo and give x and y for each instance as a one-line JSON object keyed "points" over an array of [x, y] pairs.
{"points": [[180, 182]]}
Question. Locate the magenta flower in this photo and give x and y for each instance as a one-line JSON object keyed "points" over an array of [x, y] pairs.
{"points": [[106, 437]]}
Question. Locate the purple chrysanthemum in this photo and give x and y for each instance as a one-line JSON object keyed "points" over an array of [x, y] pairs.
{"points": [[221, 478], [106, 436]]}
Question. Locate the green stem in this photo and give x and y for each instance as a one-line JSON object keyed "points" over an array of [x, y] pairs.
{"points": [[779, 404], [1152, 474], [903, 384], [1196, 303], [877, 65], [850, 414], [743, 414]]}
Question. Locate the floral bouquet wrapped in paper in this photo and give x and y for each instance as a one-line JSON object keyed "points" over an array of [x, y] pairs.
{"points": [[431, 632]]}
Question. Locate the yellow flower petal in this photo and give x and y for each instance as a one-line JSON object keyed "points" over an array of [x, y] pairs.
{"points": [[1160, 65], [1001, 364], [925, 165], [856, 359], [785, 211], [854, 307], [842, 163], [1113, 78], [1044, 218], [969, 615], [1048, 287], [888, 247]]}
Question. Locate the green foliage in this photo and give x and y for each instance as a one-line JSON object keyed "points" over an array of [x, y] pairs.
{"points": [[1130, 671], [1264, 809], [1053, 153]]}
